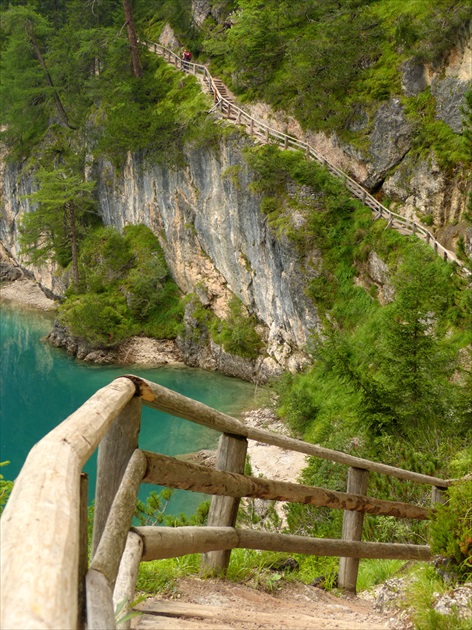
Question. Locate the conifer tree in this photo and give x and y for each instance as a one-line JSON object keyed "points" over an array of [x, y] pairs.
{"points": [[53, 230]]}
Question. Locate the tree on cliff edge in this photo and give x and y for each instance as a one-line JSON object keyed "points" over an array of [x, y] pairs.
{"points": [[54, 229], [132, 39]]}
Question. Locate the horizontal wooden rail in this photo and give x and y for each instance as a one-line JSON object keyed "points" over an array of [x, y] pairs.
{"points": [[163, 399], [173, 473], [40, 524], [267, 134], [170, 542]]}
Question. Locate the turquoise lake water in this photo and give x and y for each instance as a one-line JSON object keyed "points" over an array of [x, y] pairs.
{"points": [[40, 386]]}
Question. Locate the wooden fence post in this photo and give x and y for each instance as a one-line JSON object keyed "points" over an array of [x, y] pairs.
{"points": [[114, 453], [357, 481], [83, 549], [231, 457], [438, 495]]}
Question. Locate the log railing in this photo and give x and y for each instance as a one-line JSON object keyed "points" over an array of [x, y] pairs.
{"points": [[263, 133], [47, 581]]}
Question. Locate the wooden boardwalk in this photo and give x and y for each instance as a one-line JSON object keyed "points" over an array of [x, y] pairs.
{"points": [[224, 104]]}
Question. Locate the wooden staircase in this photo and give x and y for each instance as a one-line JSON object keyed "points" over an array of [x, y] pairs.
{"points": [[225, 104]]}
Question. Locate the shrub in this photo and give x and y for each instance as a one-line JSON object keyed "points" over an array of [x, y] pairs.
{"points": [[451, 530], [237, 334]]}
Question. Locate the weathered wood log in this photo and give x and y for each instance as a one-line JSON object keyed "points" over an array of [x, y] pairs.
{"points": [[251, 539], [125, 585], [112, 543], [114, 453], [167, 471], [40, 577], [357, 482], [230, 457], [100, 613], [83, 550], [169, 542], [161, 398], [172, 542]]}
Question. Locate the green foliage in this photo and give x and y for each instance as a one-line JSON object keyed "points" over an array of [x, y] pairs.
{"points": [[237, 333], [54, 230], [372, 572], [5, 488], [153, 511], [425, 586], [451, 530], [125, 289]]}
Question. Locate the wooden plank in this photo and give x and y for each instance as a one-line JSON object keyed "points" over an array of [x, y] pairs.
{"points": [[40, 536], [357, 482], [230, 457], [125, 585], [159, 397], [83, 550], [112, 543], [100, 613], [114, 453], [169, 542], [168, 471]]}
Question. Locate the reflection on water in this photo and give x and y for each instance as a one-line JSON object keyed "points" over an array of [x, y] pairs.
{"points": [[41, 386]]}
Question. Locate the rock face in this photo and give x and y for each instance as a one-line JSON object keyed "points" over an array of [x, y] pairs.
{"points": [[216, 240], [389, 142]]}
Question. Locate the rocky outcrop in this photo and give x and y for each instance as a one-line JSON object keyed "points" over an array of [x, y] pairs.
{"points": [[216, 240], [390, 141], [139, 351]]}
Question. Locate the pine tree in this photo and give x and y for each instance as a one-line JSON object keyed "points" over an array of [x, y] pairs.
{"points": [[53, 230]]}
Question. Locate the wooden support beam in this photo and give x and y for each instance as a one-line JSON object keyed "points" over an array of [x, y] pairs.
{"points": [[83, 550], [112, 543], [167, 471], [230, 457], [169, 542], [114, 454], [125, 585], [438, 496], [352, 529], [100, 613]]}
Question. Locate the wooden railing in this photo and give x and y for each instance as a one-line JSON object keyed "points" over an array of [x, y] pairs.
{"points": [[47, 581], [266, 134]]}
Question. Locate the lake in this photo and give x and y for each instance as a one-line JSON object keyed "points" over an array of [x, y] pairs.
{"points": [[40, 386]]}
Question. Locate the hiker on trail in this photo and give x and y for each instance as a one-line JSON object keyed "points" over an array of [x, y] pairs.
{"points": [[186, 56]]}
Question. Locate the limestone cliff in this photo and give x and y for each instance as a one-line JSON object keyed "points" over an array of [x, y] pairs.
{"points": [[215, 238]]}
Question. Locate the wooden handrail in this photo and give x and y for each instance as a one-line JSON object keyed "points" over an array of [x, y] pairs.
{"points": [[42, 531], [267, 134], [40, 525], [170, 542], [163, 399]]}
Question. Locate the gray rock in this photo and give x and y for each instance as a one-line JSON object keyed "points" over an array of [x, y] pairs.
{"points": [[9, 273], [201, 9], [389, 142], [450, 98], [168, 39], [414, 79]]}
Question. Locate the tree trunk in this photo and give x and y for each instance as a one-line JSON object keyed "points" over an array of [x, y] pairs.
{"points": [[132, 39], [73, 241]]}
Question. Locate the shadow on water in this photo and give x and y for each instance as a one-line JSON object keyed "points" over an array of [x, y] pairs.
{"points": [[40, 386]]}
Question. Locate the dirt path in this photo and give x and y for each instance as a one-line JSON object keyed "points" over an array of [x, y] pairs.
{"points": [[196, 604]]}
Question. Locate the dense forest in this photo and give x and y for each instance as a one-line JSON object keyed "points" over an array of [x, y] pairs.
{"points": [[390, 378]]}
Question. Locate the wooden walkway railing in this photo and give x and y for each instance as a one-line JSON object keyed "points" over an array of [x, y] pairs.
{"points": [[46, 579], [263, 133]]}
